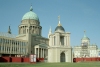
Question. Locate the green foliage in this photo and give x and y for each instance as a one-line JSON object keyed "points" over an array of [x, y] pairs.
{"points": [[80, 64]]}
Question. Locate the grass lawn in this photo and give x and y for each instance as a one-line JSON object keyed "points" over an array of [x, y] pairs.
{"points": [[80, 64]]}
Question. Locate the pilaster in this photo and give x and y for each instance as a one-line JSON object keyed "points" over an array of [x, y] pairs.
{"points": [[53, 40], [64, 41], [67, 40], [35, 51]]}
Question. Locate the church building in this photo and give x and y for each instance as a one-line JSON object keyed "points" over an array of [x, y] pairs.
{"points": [[85, 49], [59, 49], [55, 48]]}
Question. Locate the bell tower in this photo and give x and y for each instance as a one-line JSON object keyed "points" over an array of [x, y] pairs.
{"points": [[59, 45]]}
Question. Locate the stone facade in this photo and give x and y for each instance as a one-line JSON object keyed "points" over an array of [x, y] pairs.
{"points": [[13, 47], [28, 41], [85, 49], [59, 49]]}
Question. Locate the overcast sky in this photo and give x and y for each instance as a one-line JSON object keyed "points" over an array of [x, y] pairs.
{"points": [[75, 16]]}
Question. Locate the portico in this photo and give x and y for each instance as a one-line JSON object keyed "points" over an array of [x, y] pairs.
{"points": [[41, 50]]}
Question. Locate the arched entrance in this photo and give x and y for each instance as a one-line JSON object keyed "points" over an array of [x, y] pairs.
{"points": [[62, 57]]}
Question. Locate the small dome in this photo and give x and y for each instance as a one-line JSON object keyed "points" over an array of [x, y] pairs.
{"points": [[85, 37], [59, 28], [30, 15]]}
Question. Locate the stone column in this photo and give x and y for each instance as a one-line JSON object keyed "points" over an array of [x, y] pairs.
{"points": [[56, 39], [10, 46], [46, 53], [64, 40], [53, 40], [67, 40], [35, 51], [50, 41], [25, 29], [14, 47], [4, 46]]}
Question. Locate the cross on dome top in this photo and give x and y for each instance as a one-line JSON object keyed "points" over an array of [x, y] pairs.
{"points": [[31, 8], [59, 21]]}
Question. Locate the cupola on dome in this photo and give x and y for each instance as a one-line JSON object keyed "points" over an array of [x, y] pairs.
{"points": [[85, 37], [30, 15], [59, 28]]}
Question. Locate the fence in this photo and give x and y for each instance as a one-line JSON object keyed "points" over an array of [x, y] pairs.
{"points": [[86, 59], [19, 59]]}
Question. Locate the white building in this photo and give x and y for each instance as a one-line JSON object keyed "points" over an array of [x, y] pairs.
{"points": [[59, 49], [29, 40], [85, 49], [98, 52]]}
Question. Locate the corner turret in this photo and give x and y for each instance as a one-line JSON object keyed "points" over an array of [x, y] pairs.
{"points": [[9, 30]]}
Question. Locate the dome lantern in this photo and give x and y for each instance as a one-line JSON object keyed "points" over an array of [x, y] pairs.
{"points": [[31, 9], [59, 27], [85, 37]]}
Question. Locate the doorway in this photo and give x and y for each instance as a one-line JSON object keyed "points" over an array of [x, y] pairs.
{"points": [[62, 57]]}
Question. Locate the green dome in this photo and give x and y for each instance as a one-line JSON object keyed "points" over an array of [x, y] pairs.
{"points": [[85, 37], [30, 15]]}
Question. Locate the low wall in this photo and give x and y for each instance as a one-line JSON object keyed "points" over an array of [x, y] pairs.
{"points": [[16, 59], [26, 59], [86, 59], [19, 59]]}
